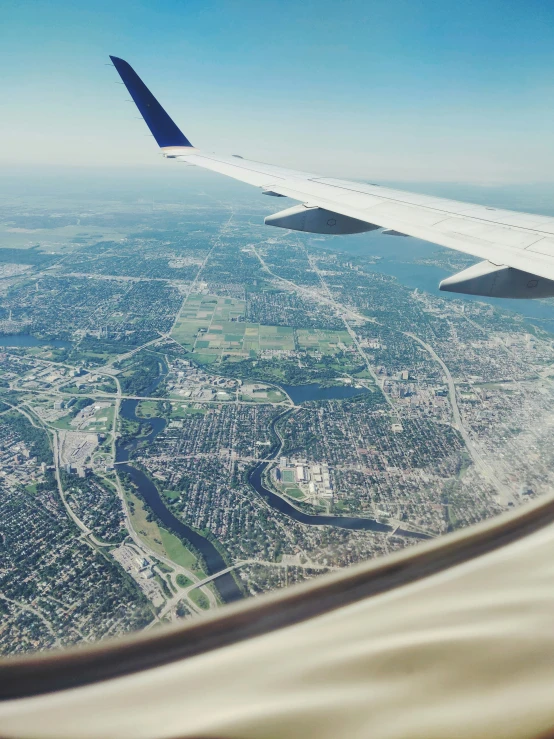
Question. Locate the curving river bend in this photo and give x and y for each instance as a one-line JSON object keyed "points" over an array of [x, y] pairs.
{"points": [[226, 584]]}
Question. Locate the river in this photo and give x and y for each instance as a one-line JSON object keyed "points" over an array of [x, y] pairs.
{"points": [[283, 506], [226, 585]]}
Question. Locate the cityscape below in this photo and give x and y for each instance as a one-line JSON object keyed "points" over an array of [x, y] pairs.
{"points": [[196, 408]]}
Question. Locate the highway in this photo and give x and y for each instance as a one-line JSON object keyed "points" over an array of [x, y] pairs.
{"points": [[505, 494]]}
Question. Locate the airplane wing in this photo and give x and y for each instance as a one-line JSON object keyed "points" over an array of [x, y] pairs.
{"points": [[517, 249]]}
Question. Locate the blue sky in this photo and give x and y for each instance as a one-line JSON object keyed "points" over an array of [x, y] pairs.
{"points": [[421, 90]]}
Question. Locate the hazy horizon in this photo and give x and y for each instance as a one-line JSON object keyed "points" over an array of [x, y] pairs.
{"points": [[172, 183], [436, 91]]}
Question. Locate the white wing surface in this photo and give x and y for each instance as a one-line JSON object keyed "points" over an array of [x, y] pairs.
{"points": [[518, 248]]}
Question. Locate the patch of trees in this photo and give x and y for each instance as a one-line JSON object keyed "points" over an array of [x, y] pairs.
{"points": [[281, 370], [36, 440], [143, 376]]}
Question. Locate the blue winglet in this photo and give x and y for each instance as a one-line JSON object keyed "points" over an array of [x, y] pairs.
{"points": [[160, 124]]}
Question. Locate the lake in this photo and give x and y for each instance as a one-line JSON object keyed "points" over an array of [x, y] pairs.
{"points": [[28, 340], [399, 256]]}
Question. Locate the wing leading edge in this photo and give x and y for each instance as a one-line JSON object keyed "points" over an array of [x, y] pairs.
{"points": [[517, 248]]}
